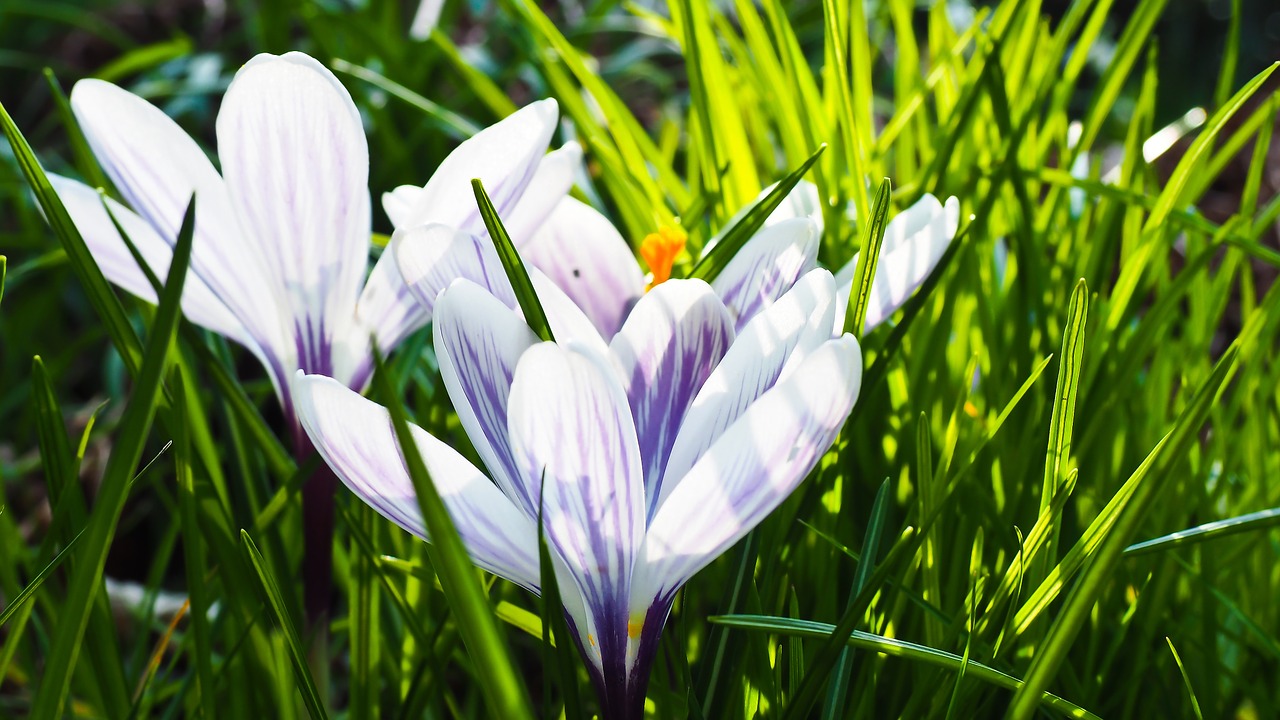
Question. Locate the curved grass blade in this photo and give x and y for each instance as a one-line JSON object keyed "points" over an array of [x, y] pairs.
{"points": [[275, 602], [135, 426], [481, 633], [731, 240], [511, 262], [868, 257], [1209, 531], [897, 648]]}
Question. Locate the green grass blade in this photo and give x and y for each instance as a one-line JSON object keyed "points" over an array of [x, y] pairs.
{"points": [[86, 163], [900, 649], [855, 320], [735, 236], [1251, 522], [280, 612], [1129, 515], [513, 265], [558, 654], [135, 426], [21, 598], [471, 608], [839, 687]]}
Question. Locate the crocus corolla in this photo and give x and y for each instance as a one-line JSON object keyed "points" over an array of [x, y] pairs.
{"points": [[647, 457]]}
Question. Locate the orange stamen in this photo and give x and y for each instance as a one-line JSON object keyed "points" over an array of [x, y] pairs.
{"points": [[659, 251]]}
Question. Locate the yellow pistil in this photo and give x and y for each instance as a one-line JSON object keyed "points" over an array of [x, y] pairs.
{"points": [[659, 251]]}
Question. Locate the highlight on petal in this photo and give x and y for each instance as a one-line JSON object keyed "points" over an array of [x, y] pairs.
{"points": [[569, 324], [430, 257], [478, 341], [296, 165], [425, 19], [157, 168], [573, 437], [85, 205], [766, 267], [504, 156], [914, 242], [355, 437], [770, 345], [667, 349], [399, 203], [585, 255], [548, 188], [750, 470]]}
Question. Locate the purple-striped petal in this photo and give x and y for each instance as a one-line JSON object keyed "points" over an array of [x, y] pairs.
{"points": [[586, 256], [749, 471], [775, 341], [670, 344], [355, 437], [157, 168], [766, 267], [430, 257], [399, 204], [914, 242], [504, 156], [85, 205], [573, 437], [296, 164], [478, 341]]}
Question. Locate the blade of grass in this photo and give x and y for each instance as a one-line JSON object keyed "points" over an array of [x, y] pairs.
{"points": [[514, 266], [481, 633], [135, 426], [855, 320], [280, 612]]}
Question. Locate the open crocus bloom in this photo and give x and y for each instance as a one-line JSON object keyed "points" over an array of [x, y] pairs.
{"points": [[282, 233], [648, 456]]}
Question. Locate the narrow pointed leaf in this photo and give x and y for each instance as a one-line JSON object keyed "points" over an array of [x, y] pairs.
{"points": [[855, 320], [511, 262]]}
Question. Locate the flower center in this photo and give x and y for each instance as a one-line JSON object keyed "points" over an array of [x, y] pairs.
{"points": [[659, 251]]}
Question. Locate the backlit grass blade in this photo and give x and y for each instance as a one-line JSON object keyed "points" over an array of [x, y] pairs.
{"points": [[280, 612], [85, 161], [95, 285], [557, 653], [19, 601], [135, 426], [457, 126], [735, 236], [1062, 418], [1127, 516], [855, 320], [485, 641], [1251, 522], [716, 677], [511, 262], [900, 649]]}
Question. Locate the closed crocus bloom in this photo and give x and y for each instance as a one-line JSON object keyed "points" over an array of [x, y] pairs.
{"points": [[648, 456]]}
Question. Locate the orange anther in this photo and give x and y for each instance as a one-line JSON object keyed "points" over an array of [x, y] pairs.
{"points": [[659, 251]]}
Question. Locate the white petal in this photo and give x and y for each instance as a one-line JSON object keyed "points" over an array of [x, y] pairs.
{"points": [[914, 243], [750, 470], [503, 156], [399, 203], [549, 186], [386, 310], [84, 204], [568, 322], [770, 344], [766, 267], [296, 164], [802, 202], [425, 19], [430, 257], [670, 344], [573, 437], [478, 341], [586, 256], [157, 168], [355, 437]]}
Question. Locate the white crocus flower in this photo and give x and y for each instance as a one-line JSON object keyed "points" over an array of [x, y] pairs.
{"points": [[282, 233], [648, 457]]}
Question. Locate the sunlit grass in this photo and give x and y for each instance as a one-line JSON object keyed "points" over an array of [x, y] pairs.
{"points": [[1091, 368]]}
